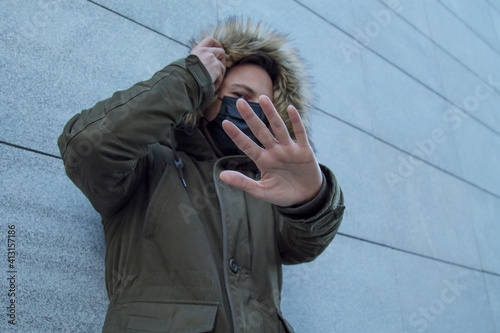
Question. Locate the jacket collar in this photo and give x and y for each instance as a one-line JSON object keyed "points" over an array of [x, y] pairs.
{"points": [[192, 141]]}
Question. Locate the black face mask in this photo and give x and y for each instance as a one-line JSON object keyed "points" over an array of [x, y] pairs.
{"points": [[229, 111]]}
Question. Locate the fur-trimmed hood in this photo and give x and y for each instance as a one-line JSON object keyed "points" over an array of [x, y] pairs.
{"points": [[242, 38]]}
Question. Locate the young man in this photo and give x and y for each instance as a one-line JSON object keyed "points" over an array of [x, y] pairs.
{"points": [[199, 212]]}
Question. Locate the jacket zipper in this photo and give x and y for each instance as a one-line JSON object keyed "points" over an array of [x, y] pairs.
{"points": [[225, 259]]}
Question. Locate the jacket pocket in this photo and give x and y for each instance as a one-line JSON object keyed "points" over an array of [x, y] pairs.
{"points": [[179, 317], [144, 324]]}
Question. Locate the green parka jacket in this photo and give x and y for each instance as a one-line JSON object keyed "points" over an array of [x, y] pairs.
{"points": [[204, 257]]}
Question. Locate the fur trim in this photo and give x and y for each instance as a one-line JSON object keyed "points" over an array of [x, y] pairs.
{"points": [[242, 38]]}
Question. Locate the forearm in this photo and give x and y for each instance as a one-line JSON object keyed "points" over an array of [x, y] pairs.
{"points": [[307, 230], [102, 147]]}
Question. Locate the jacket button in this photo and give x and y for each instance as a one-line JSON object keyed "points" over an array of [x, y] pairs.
{"points": [[233, 266]]}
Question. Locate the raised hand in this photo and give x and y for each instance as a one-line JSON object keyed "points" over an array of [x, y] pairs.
{"points": [[290, 174], [213, 57]]}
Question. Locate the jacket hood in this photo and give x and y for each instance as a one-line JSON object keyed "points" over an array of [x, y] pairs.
{"points": [[242, 38]]}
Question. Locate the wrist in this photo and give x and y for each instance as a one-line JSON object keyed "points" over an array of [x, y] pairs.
{"points": [[313, 194]]}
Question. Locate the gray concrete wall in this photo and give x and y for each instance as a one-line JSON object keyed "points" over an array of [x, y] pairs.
{"points": [[407, 115]]}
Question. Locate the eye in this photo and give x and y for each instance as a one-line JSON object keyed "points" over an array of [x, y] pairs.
{"points": [[240, 95]]}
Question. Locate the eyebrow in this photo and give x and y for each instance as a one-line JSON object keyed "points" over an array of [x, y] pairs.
{"points": [[243, 86]]}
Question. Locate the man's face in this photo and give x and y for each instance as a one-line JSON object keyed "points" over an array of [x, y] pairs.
{"points": [[245, 81]]}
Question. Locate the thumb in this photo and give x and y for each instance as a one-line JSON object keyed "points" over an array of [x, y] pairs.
{"points": [[238, 180]]}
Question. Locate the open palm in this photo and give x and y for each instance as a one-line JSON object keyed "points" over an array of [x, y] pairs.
{"points": [[290, 174]]}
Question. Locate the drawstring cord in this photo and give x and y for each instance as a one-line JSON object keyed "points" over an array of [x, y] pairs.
{"points": [[177, 160]]}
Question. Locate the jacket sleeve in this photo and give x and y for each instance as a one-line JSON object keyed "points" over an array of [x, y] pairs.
{"points": [[305, 231], [103, 148]]}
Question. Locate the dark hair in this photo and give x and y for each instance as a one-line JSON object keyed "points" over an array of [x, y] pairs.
{"points": [[268, 63]]}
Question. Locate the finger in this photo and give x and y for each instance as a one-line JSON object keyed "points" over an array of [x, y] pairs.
{"points": [[238, 180], [242, 141], [218, 82], [277, 124], [223, 67], [220, 76], [298, 126], [256, 125], [219, 53], [210, 42]]}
